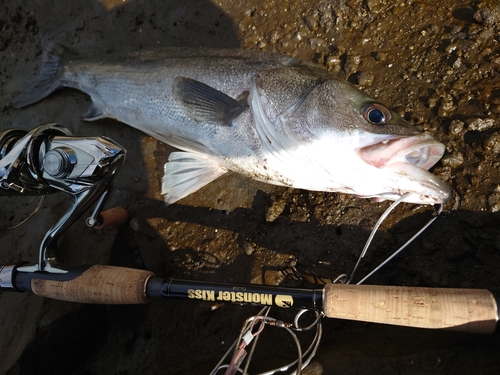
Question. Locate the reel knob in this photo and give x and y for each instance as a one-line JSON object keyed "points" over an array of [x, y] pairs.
{"points": [[59, 162]]}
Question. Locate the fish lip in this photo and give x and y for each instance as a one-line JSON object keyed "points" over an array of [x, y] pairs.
{"points": [[422, 151], [431, 189]]}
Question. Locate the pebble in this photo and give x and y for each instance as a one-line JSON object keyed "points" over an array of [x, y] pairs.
{"points": [[351, 64], [456, 127], [333, 61], [364, 78], [494, 202], [311, 22], [487, 16], [481, 124], [248, 248], [380, 56], [447, 105], [454, 160], [275, 211], [432, 101], [486, 34], [316, 42], [492, 144]]}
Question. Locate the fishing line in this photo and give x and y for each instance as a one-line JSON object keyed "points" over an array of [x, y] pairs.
{"points": [[301, 362], [435, 216], [33, 213], [238, 355], [313, 348], [374, 230], [234, 346]]}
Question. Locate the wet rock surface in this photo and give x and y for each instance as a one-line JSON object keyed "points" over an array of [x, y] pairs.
{"points": [[437, 64]]}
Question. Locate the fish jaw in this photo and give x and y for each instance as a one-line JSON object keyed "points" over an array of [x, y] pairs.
{"points": [[409, 159], [425, 188]]}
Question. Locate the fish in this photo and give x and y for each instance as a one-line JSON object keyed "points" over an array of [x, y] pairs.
{"points": [[267, 116]]}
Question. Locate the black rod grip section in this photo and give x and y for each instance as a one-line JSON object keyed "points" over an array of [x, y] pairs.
{"points": [[22, 281]]}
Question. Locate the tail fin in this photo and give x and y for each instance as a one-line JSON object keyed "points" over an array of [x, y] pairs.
{"points": [[53, 61]]}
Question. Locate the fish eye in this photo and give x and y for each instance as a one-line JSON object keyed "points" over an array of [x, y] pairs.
{"points": [[376, 114]]}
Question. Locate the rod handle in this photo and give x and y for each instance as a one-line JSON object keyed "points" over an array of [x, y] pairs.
{"points": [[468, 310], [97, 284]]}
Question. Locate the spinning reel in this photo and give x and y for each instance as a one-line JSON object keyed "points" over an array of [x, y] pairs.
{"points": [[48, 159]]}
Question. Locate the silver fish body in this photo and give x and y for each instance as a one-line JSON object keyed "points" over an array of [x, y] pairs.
{"points": [[267, 116]]}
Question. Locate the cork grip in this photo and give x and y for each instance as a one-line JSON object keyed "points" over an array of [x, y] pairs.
{"points": [[470, 310], [98, 284], [114, 217]]}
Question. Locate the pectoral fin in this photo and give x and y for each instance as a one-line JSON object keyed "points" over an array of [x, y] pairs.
{"points": [[186, 172], [205, 104]]}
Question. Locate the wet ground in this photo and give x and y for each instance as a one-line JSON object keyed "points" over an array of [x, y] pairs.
{"points": [[436, 63]]}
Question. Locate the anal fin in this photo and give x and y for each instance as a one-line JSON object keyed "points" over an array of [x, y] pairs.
{"points": [[186, 172]]}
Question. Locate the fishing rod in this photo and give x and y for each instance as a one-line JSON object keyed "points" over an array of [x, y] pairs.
{"points": [[49, 159], [469, 310]]}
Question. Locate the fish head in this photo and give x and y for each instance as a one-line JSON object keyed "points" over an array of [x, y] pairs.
{"points": [[343, 140], [386, 156]]}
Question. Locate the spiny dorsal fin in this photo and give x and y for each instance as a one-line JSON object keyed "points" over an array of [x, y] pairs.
{"points": [[205, 104], [186, 172]]}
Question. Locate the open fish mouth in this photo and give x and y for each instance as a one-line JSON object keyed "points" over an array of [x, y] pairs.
{"points": [[422, 151], [410, 156]]}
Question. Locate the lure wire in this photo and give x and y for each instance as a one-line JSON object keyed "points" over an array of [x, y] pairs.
{"points": [[374, 231], [436, 213], [304, 358], [435, 216]]}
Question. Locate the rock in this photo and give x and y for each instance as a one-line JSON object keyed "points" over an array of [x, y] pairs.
{"points": [[311, 22], [480, 124], [487, 16], [454, 160], [447, 105], [380, 56], [492, 144], [275, 211], [364, 78]]}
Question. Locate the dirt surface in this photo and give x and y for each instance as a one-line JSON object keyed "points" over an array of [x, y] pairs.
{"points": [[436, 63]]}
